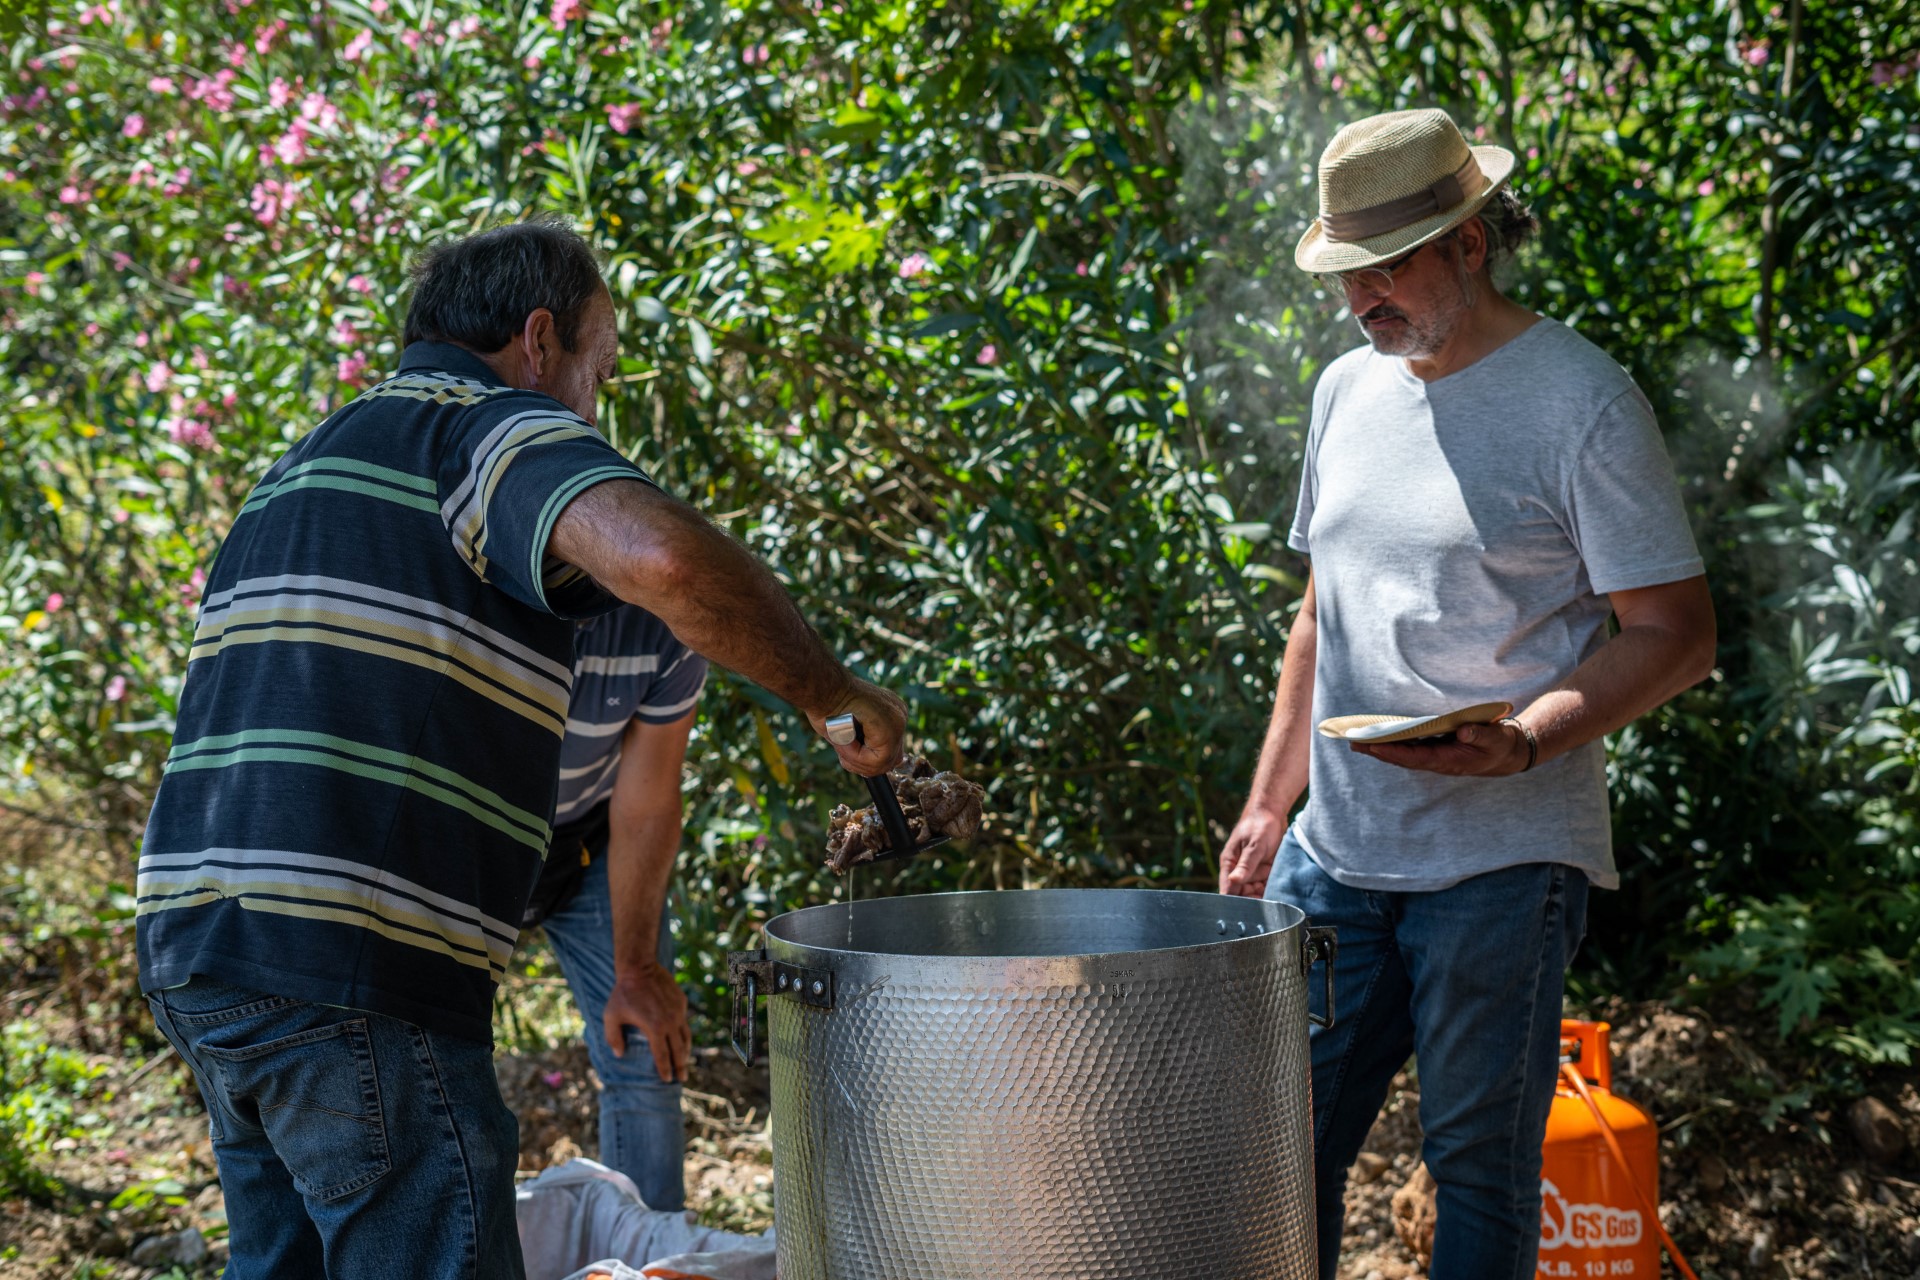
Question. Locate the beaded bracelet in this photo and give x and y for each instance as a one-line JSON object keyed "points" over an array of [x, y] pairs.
{"points": [[1533, 743]]}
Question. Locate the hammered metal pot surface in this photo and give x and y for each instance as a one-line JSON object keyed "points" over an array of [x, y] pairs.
{"points": [[1062, 1083]]}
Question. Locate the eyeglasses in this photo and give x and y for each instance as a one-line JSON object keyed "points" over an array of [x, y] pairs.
{"points": [[1378, 281]]}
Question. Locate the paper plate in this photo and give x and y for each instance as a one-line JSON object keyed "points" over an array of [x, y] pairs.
{"points": [[1385, 728]]}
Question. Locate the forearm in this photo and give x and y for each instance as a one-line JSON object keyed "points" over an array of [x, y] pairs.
{"points": [[658, 553], [1282, 773], [640, 854], [1632, 673]]}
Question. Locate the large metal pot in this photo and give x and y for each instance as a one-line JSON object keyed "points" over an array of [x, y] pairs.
{"points": [[1069, 1083]]}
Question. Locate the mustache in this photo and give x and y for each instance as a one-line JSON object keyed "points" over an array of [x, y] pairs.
{"points": [[1380, 311]]}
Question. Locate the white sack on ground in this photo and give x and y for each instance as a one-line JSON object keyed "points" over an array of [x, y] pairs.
{"points": [[582, 1217]]}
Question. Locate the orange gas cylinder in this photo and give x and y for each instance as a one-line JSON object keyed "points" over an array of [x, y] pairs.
{"points": [[1596, 1218]]}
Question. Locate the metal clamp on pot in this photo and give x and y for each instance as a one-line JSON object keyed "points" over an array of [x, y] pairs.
{"points": [[1320, 944], [751, 975]]}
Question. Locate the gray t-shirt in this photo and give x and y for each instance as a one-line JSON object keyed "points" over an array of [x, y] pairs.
{"points": [[1464, 534]]}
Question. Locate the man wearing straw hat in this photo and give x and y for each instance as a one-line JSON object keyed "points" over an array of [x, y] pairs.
{"points": [[1482, 490]]}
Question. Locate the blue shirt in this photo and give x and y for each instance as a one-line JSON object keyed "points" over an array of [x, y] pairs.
{"points": [[626, 666]]}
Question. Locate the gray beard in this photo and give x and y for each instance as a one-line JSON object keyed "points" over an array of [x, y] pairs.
{"points": [[1420, 339]]}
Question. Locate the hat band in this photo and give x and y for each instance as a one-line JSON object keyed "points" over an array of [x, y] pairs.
{"points": [[1378, 219]]}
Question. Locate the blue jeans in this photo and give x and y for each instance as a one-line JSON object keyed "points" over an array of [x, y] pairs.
{"points": [[1468, 979], [641, 1132], [351, 1144]]}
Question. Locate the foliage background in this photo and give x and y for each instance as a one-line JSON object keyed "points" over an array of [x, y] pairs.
{"points": [[979, 322]]}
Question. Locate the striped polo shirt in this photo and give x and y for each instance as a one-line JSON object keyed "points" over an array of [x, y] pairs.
{"points": [[357, 800], [626, 666]]}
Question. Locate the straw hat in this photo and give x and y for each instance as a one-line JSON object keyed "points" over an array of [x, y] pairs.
{"points": [[1392, 182]]}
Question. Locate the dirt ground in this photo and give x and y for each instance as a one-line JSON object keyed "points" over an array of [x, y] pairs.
{"points": [[1744, 1201]]}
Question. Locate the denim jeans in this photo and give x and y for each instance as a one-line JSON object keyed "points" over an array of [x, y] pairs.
{"points": [[351, 1145], [1468, 979], [641, 1132]]}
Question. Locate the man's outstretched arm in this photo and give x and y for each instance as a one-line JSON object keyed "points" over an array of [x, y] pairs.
{"points": [[659, 553]]}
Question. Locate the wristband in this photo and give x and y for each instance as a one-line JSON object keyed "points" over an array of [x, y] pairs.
{"points": [[1533, 743]]}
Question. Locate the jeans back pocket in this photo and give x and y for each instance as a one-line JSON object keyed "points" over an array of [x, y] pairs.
{"points": [[316, 1094]]}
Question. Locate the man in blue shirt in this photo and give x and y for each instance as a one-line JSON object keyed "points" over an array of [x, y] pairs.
{"points": [[603, 895]]}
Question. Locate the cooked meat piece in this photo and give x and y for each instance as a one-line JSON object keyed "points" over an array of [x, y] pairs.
{"points": [[933, 803], [952, 804]]}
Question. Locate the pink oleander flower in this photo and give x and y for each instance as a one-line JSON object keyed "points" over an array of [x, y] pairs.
{"points": [[195, 435], [412, 39], [359, 284], [214, 93], [162, 85], [279, 93], [555, 1079], [357, 47], [352, 368], [531, 62], [623, 117], [263, 38], [1080, 269], [1758, 55], [116, 691], [99, 13], [71, 194], [291, 146], [463, 28], [914, 265], [320, 112], [755, 55], [159, 375], [55, 602], [133, 126], [1706, 187], [747, 168], [657, 35], [235, 54], [271, 198], [344, 333], [565, 11], [989, 354]]}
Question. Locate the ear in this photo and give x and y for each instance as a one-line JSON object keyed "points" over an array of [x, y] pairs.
{"points": [[1473, 244], [540, 343]]}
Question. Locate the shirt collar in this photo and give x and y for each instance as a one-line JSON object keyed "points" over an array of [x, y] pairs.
{"points": [[448, 358]]}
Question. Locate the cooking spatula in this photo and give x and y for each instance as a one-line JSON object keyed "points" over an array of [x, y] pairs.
{"points": [[844, 731]]}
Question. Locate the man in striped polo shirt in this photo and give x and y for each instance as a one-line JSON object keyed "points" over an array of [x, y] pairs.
{"points": [[357, 801], [603, 895]]}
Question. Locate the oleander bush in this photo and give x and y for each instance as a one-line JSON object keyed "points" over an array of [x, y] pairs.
{"points": [[979, 322]]}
